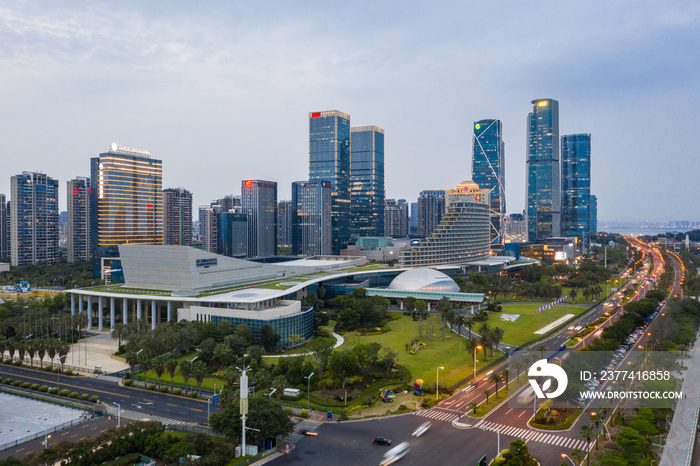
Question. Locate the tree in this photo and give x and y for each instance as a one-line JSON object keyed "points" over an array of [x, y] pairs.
{"points": [[577, 455], [586, 432], [367, 355], [505, 373], [485, 340], [263, 414], [469, 322], [158, 366], [185, 370], [321, 349], [343, 364], [199, 371], [119, 332], [473, 405], [610, 458], [269, 338], [517, 366], [487, 392], [541, 348], [496, 378], [146, 364], [170, 366], [631, 442], [279, 384], [443, 307], [32, 347], [497, 336], [207, 349], [573, 293]]}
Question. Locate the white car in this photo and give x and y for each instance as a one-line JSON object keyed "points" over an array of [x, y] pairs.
{"points": [[395, 454], [423, 428]]}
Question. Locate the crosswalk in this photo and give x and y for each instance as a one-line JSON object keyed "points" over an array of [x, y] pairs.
{"points": [[534, 436], [109, 378], [136, 416], [437, 415], [294, 437]]}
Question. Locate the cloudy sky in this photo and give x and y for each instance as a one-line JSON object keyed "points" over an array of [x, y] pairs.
{"points": [[220, 91]]}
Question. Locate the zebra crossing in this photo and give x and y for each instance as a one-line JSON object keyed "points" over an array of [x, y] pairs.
{"points": [[303, 425], [437, 415], [109, 378], [531, 435], [136, 416]]}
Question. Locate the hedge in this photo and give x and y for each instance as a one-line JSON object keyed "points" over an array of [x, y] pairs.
{"points": [[17, 363], [73, 394], [568, 422], [47, 369], [64, 392], [178, 391], [94, 398], [35, 386], [304, 413], [44, 388], [164, 389], [152, 386], [26, 385], [288, 410], [128, 382], [53, 391], [69, 372], [84, 396], [8, 381], [17, 383], [8, 361], [194, 394]]}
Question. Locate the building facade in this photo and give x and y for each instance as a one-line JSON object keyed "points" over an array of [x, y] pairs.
{"points": [[311, 218], [463, 234], [78, 223], [4, 229], [396, 217], [515, 228], [489, 169], [177, 216], [232, 234], [209, 227], [543, 182], [329, 160], [34, 220], [367, 180], [576, 187], [593, 210], [228, 203], [259, 203], [128, 197], [431, 207], [284, 222]]}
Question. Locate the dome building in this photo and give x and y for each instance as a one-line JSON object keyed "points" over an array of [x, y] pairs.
{"points": [[424, 279]]}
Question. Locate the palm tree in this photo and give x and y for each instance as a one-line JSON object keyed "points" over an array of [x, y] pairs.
{"points": [[170, 366], [577, 455], [505, 373], [3, 346], [484, 328], [279, 384], [496, 378], [541, 348], [487, 392], [119, 331], [199, 371], [12, 346], [473, 405], [517, 366], [41, 352], [594, 419], [158, 367], [231, 376], [497, 334], [132, 359], [485, 340], [185, 370], [21, 348], [469, 322], [145, 365], [573, 293], [586, 432], [32, 347], [458, 321]]}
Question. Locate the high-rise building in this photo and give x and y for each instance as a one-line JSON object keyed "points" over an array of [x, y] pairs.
{"points": [[367, 180], [576, 187], [78, 223], [34, 220], [259, 202], [284, 222], [431, 207], [395, 217], [413, 222], [329, 160], [4, 229], [177, 216], [515, 228], [228, 203], [489, 169], [232, 234], [462, 235], [209, 227], [311, 218], [543, 170], [593, 211], [127, 197]]}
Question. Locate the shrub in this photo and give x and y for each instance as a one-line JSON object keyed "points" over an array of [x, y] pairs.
{"points": [[152, 386], [164, 389], [17, 383], [304, 413], [73, 394], [26, 385], [84, 396], [56, 369], [8, 381], [178, 391], [17, 363], [53, 390], [94, 398], [44, 388], [64, 392], [194, 394], [69, 372], [288, 410], [128, 382], [376, 375], [8, 361], [47, 369], [35, 386]]}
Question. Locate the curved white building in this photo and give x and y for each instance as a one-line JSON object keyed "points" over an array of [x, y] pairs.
{"points": [[424, 279]]}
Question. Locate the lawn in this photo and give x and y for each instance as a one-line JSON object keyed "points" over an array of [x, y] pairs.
{"points": [[449, 353], [524, 328], [209, 383]]}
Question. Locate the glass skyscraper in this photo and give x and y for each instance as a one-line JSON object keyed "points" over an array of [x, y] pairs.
{"points": [[367, 180], [576, 187], [232, 231], [593, 210], [259, 202], [431, 207], [329, 160], [489, 169], [78, 226], [543, 171], [311, 218]]}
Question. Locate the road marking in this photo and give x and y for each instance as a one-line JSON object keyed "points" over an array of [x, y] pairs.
{"points": [[195, 409], [522, 413], [511, 409], [176, 406]]}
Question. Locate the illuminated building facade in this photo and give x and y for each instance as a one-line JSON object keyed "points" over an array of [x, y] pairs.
{"points": [[4, 229], [311, 218], [593, 211], [431, 207], [209, 227], [259, 202], [177, 216], [396, 217], [576, 187], [232, 234], [78, 227], [543, 170], [329, 160], [367, 180], [489, 169], [284, 222]]}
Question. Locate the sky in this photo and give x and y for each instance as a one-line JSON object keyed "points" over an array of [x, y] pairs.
{"points": [[221, 91]]}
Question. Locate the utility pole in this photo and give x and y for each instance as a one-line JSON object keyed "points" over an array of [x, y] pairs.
{"points": [[244, 403]]}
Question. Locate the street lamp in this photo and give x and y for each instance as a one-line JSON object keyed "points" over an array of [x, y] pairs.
{"points": [[308, 390], [564, 455], [144, 376], [119, 414], [58, 374], [437, 382], [476, 348], [46, 438]]}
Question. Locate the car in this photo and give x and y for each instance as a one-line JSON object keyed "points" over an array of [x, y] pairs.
{"points": [[395, 454], [307, 432], [423, 428], [381, 441]]}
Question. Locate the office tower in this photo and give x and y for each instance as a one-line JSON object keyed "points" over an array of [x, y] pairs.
{"points": [[463, 234], [367, 181], [232, 234], [543, 171], [177, 216], [4, 229], [489, 169], [413, 222], [78, 223], [395, 217], [515, 228], [431, 206], [329, 160], [127, 199], [209, 227], [284, 222], [228, 203], [593, 211], [576, 187], [259, 202], [34, 220], [311, 218]]}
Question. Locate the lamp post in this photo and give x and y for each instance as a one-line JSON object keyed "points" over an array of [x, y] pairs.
{"points": [[58, 374], [46, 438], [476, 348], [119, 414], [437, 382], [191, 371], [564, 455], [308, 390]]}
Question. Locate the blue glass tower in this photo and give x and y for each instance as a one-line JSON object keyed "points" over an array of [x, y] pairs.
{"points": [[329, 160], [576, 187], [311, 218], [367, 180], [488, 169], [543, 171], [593, 218]]}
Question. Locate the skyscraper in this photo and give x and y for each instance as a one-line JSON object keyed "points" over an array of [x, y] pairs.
{"points": [[209, 227], [78, 225], [413, 221], [177, 216], [232, 234], [515, 228], [228, 203], [259, 201], [431, 207], [329, 160], [367, 180], [593, 210], [311, 218], [128, 197], [284, 222], [543, 170], [4, 229], [395, 217], [489, 169], [34, 220], [576, 187]]}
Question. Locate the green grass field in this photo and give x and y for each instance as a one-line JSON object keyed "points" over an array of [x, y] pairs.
{"points": [[448, 353], [524, 328]]}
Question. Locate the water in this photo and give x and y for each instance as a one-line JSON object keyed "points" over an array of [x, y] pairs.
{"points": [[643, 231]]}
